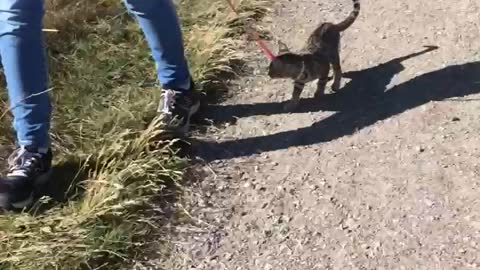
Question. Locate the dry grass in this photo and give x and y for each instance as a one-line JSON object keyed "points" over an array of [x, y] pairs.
{"points": [[99, 64]]}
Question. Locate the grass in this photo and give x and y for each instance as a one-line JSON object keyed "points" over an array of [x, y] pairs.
{"points": [[103, 90]]}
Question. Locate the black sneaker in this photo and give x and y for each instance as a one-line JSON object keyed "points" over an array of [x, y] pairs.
{"points": [[28, 168], [177, 107]]}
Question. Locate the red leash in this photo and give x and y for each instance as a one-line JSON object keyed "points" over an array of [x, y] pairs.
{"points": [[254, 34]]}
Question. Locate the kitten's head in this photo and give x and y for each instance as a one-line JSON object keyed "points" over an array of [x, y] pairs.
{"points": [[285, 64]]}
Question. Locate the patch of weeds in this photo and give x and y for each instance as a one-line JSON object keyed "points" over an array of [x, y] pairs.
{"points": [[103, 86]]}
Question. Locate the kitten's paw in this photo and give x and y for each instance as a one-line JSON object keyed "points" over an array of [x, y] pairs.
{"points": [[291, 105], [336, 86], [319, 94]]}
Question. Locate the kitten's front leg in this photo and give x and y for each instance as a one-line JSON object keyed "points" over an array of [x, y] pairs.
{"points": [[297, 91], [321, 83]]}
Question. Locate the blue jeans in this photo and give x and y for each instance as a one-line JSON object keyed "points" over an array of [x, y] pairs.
{"points": [[24, 62]]}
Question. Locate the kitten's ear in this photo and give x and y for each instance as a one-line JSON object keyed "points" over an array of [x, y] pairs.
{"points": [[282, 48]]}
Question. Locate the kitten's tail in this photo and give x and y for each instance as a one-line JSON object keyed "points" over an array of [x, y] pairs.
{"points": [[342, 26]]}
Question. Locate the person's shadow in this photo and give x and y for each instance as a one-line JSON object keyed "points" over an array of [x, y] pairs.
{"points": [[360, 103]]}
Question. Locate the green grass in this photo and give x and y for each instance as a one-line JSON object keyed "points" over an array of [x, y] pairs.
{"points": [[103, 87]]}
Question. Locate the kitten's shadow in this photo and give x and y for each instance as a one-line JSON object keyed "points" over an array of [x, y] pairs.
{"points": [[362, 102], [364, 85]]}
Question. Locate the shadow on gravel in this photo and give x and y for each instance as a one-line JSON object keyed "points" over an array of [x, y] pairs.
{"points": [[362, 102]]}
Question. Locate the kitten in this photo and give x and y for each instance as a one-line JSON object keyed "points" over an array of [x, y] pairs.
{"points": [[322, 49]]}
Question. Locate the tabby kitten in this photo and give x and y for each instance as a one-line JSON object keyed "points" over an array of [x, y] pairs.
{"points": [[322, 49]]}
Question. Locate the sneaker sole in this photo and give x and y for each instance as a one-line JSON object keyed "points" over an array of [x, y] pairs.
{"points": [[41, 180]]}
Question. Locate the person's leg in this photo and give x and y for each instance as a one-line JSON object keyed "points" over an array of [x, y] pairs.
{"points": [[160, 25], [159, 22], [24, 64]]}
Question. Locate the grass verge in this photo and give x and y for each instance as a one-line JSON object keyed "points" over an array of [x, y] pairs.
{"points": [[103, 88]]}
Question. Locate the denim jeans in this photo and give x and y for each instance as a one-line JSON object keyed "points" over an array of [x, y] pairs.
{"points": [[24, 61]]}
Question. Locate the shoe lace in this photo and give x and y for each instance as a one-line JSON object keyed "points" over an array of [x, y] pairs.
{"points": [[168, 102], [21, 162]]}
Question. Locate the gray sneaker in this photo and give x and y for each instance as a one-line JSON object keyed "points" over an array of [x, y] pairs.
{"points": [[177, 107], [28, 168]]}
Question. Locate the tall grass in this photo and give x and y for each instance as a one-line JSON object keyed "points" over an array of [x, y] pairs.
{"points": [[104, 90]]}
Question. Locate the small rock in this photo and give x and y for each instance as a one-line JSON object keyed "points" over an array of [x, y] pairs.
{"points": [[228, 256], [429, 203], [420, 149], [455, 119]]}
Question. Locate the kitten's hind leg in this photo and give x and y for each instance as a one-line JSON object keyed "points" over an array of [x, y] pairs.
{"points": [[322, 82], [297, 91], [337, 73]]}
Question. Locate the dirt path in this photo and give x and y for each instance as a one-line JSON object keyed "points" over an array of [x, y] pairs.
{"points": [[382, 175]]}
